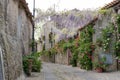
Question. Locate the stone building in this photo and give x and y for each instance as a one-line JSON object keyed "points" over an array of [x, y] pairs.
{"points": [[63, 24], [104, 20], [45, 42], [15, 37]]}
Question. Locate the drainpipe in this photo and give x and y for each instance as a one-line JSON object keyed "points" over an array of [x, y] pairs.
{"points": [[33, 31]]}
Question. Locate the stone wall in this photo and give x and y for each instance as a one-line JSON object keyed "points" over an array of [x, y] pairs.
{"points": [[48, 58], [61, 58], [103, 22], [57, 58], [15, 35]]}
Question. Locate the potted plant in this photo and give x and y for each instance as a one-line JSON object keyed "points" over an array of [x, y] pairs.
{"points": [[99, 69], [27, 64], [100, 66]]}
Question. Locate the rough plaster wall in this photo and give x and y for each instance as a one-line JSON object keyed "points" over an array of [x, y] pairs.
{"points": [[12, 45], [102, 22], [47, 58], [11, 36], [25, 32]]}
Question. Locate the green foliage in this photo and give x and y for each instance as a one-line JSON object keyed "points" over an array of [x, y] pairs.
{"points": [[53, 50], [78, 47], [44, 52], [49, 52], [105, 39], [85, 47], [64, 45], [118, 22], [36, 65], [100, 64], [85, 62], [104, 11], [60, 44], [67, 46], [50, 37], [90, 30], [27, 64], [106, 36], [74, 58], [117, 47], [32, 62]]}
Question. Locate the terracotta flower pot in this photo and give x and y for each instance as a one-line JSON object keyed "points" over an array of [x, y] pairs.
{"points": [[99, 70], [29, 67]]}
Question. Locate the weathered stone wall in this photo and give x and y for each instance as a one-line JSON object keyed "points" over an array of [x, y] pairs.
{"points": [[61, 58], [103, 22], [57, 58], [25, 32], [48, 58], [47, 28], [15, 29]]}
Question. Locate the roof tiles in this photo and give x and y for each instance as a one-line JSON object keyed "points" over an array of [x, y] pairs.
{"points": [[111, 4], [24, 4]]}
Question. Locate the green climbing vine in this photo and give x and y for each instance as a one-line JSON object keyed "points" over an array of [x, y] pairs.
{"points": [[106, 36], [85, 49], [117, 46]]}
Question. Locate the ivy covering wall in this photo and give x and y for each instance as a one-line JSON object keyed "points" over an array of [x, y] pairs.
{"points": [[118, 36], [86, 47]]}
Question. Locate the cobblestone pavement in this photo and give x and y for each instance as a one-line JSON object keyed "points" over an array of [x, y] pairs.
{"points": [[62, 72]]}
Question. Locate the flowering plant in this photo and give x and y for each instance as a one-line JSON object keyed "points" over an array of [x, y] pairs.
{"points": [[100, 64], [106, 36]]}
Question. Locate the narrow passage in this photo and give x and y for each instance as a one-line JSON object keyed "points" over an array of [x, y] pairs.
{"points": [[52, 71]]}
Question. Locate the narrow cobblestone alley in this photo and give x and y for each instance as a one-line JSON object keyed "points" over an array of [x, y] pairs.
{"points": [[62, 72]]}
